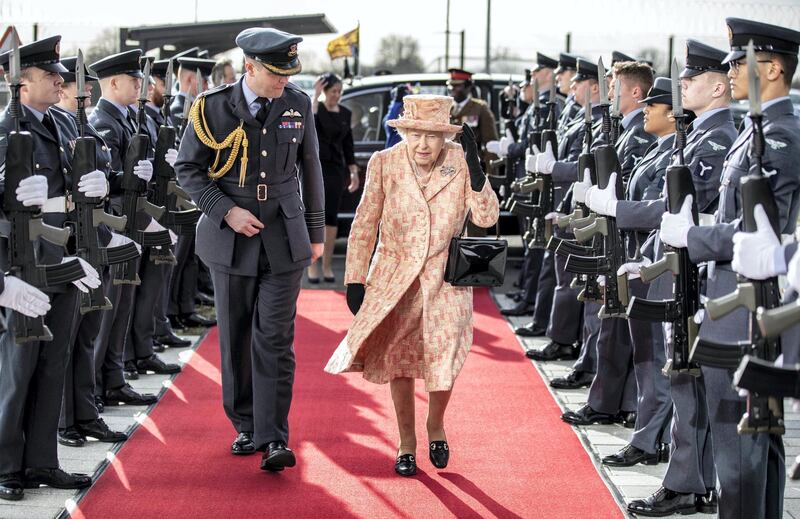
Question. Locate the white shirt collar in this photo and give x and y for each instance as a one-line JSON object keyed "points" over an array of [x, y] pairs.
{"points": [[626, 121]]}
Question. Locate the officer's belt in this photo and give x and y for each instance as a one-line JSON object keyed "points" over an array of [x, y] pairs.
{"points": [[264, 191], [59, 204]]}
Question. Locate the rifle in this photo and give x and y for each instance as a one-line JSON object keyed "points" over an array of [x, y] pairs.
{"points": [[134, 197], [764, 413], [681, 309], [24, 225], [181, 214], [89, 211], [612, 254], [503, 181]]}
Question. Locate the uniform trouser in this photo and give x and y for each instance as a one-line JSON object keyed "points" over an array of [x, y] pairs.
{"points": [[565, 318], [161, 323], [750, 467], [110, 342], [139, 339], [256, 332], [31, 386], [691, 461], [79, 383], [614, 386], [587, 360], [203, 281], [654, 405], [183, 278], [545, 289], [531, 268]]}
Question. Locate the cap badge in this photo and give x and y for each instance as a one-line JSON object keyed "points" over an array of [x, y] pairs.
{"points": [[293, 50]]}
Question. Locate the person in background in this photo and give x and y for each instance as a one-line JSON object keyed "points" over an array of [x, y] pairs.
{"points": [[338, 162], [222, 73], [395, 110]]}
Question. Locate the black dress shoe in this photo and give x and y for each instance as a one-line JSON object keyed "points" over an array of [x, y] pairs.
{"points": [[553, 351], [56, 478], [329, 279], [11, 486], [529, 330], [204, 299], [243, 444], [706, 503], [176, 323], [626, 418], [70, 437], [98, 430], [662, 503], [439, 454], [587, 416], [521, 308], [126, 395], [156, 365], [277, 456], [629, 456], [98, 403], [405, 465], [129, 371], [195, 320], [574, 380], [158, 347], [172, 340]]}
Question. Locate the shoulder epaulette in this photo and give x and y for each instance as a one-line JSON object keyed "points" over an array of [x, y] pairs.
{"points": [[216, 89]]}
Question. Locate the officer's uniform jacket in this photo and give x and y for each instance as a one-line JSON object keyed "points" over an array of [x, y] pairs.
{"points": [[477, 115], [565, 170], [568, 114], [715, 243], [632, 145], [516, 151], [176, 107], [279, 153], [52, 158], [155, 114]]}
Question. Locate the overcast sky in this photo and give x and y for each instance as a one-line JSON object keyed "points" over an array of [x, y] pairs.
{"points": [[523, 26]]}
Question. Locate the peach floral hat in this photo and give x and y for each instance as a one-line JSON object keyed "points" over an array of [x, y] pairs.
{"points": [[426, 112]]}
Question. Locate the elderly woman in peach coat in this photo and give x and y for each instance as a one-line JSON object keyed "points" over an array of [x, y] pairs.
{"points": [[409, 323]]}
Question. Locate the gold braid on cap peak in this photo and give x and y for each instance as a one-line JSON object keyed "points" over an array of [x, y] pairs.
{"points": [[237, 138]]}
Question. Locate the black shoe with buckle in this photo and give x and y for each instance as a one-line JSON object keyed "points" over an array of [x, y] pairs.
{"points": [[98, 430], [11, 486], [243, 444], [405, 465], [56, 478], [277, 457], [70, 437], [662, 503], [574, 380], [439, 453], [587, 416]]}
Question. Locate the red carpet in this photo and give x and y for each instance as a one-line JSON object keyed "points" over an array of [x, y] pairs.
{"points": [[511, 454]]}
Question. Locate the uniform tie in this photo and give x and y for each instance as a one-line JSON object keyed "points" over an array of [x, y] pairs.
{"points": [[48, 123], [261, 115]]}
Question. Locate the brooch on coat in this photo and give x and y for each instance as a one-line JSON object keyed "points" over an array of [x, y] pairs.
{"points": [[448, 170]]}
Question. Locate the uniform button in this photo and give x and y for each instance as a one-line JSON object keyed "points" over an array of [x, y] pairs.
{"points": [[37, 166], [264, 131], [263, 175], [263, 153], [108, 164], [105, 148], [294, 139], [64, 170], [61, 148]]}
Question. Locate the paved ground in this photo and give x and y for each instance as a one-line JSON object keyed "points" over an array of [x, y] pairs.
{"points": [[599, 440]]}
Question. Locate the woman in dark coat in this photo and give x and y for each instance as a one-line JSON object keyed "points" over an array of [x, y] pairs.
{"points": [[338, 163]]}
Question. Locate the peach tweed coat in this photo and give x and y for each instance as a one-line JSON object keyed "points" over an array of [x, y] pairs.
{"points": [[416, 226]]}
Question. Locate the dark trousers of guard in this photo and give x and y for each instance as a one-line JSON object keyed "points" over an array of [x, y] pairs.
{"points": [[256, 333], [110, 342], [79, 382], [31, 386], [565, 318], [183, 279], [139, 342], [614, 386], [161, 325]]}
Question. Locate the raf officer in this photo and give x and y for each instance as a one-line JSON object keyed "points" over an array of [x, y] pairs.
{"points": [[257, 233]]}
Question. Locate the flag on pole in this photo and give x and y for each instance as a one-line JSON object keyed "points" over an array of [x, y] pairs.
{"points": [[345, 45]]}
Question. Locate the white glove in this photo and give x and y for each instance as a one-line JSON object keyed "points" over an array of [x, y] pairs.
{"points": [[603, 201], [94, 184], [793, 272], [32, 190], [601, 280], [24, 298], [144, 170], [121, 239], [530, 160], [493, 147], [675, 227], [173, 238], [555, 215], [580, 188], [171, 156], [91, 279], [632, 267], [754, 252], [546, 160], [505, 141]]}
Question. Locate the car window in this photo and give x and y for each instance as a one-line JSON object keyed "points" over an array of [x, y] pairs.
{"points": [[368, 111]]}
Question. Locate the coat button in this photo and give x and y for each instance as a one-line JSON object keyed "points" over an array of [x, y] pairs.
{"points": [[61, 148], [294, 139], [263, 131], [64, 170], [263, 175], [263, 153], [37, 166]]}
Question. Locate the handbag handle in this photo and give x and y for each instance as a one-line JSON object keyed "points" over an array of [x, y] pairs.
{"points": [[466, 221]]}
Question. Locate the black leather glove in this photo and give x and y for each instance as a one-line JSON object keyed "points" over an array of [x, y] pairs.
{"points": [[476, 176], [355, 296]]}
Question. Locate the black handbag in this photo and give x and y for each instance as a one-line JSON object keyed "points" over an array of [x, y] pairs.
{"points": [[476, 262]]}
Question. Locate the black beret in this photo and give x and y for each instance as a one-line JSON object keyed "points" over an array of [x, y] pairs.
{"points": [[766, 37], [702, 58], [123, 63], [276, 50], [660, 92], [43, 54], [69, 75], [566, 62], [586, 70], [543, 61]]}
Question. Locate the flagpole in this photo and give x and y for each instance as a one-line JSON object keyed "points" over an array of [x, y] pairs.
{"points": [[357, 51]]}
